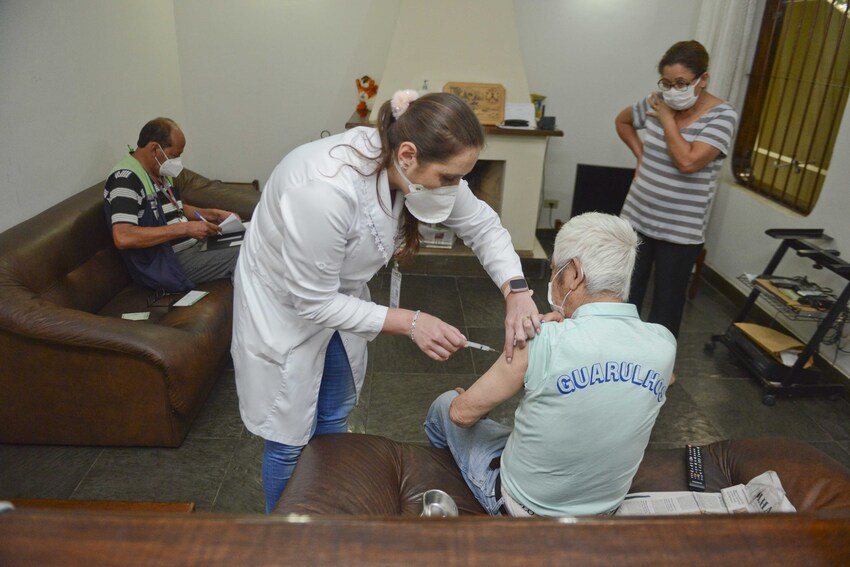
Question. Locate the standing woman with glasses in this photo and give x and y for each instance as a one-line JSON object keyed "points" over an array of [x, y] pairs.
{"points": [[688, 135]]}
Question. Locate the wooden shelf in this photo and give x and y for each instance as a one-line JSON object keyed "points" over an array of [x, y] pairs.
{"points": [[357, 120]]}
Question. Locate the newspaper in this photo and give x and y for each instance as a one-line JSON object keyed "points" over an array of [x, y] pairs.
{"points": [[762, 494]]}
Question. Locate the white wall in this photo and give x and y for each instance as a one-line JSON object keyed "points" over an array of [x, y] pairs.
{"points": [[77, 82], [261, 77], [445, 41], [592, 58]]}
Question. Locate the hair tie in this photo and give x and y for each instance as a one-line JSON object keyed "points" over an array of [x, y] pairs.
{"points": [[401, 100]]}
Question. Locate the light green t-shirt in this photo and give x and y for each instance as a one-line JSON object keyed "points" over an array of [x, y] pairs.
{"points": [[594, 386]]}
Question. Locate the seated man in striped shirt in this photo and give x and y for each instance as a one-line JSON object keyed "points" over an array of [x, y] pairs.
{"points": [[159, 236]]}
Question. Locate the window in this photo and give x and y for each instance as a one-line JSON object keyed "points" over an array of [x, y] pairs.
{"points": [[795, 100]]}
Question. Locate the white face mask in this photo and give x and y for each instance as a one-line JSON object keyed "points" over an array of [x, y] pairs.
{"points": [[428, 205], [681, 100], [559, 309], [171, 167]]}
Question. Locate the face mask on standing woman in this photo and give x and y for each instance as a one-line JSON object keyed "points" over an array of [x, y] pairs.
{"points": [[681, 100]]}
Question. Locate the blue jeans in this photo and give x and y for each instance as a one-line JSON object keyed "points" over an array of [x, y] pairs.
{"points": [[473, 449], [337, 397]]}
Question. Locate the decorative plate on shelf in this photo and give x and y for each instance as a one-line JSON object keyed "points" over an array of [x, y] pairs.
{"points": [[486, 99]]}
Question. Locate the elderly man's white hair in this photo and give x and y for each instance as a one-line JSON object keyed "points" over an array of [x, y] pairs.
{"points": [[606, 247]]}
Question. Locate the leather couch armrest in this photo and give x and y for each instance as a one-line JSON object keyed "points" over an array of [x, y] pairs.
{"points": [[345, 474], [35, 318], [199, 191], [812, 480]]}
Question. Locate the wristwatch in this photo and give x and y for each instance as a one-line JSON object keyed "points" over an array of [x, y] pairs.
{"points": [[518, 285]]}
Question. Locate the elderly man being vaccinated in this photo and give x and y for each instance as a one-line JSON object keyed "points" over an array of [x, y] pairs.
{"points": [[593, 382]]}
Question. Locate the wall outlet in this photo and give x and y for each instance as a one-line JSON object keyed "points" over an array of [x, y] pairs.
{"points": [[550, 203]]}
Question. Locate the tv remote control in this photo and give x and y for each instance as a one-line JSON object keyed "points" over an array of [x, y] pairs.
{"points": [[693, 461]]}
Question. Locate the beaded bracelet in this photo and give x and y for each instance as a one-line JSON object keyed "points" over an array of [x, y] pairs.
{"points": [[413, 326]]}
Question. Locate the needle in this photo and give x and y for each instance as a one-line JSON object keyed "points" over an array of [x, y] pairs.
{"points": [[479, 346]]}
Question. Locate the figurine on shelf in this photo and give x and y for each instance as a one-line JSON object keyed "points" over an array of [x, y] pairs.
{"points": [[367, 88]]}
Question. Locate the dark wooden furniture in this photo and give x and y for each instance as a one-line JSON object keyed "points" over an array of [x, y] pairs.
{"points": [[357, 120], [104, 505], [63, 538]]}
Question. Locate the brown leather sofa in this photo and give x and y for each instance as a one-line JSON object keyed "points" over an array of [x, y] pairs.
{"points": [[375, 476], [382, 480], [72, 371]]}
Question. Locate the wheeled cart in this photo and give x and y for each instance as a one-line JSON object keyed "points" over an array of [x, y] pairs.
{"points": [[775, 377]]}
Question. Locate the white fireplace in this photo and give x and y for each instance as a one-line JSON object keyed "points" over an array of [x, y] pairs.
{"points": [[475, 41]]}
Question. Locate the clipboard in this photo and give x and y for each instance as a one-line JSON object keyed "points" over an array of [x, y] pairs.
{"points": [[224, 241]]}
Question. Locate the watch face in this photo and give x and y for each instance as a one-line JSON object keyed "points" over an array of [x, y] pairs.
{"points": [[519, 285]]}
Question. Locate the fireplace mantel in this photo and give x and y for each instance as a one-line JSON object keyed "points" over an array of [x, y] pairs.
{"points": [[357, 120]]}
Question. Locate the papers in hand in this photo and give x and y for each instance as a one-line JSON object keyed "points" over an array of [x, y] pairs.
{"points": [[762, 494], [231, 225], [191, 298]]}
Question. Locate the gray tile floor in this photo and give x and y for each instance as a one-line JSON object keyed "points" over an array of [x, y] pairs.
{"points": [[218, 466]]}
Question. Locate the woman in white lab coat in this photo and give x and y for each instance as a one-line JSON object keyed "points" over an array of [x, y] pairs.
{"points": [[333, 213]]}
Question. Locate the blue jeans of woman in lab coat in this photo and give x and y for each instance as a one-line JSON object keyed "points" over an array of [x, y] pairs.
{"points": [[337, 397]]}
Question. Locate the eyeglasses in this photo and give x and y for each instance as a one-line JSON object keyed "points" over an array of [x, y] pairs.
{"points": [[680, 85]]}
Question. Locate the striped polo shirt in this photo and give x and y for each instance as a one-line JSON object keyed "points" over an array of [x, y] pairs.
{"points": [[126, 196], [664, 203]]}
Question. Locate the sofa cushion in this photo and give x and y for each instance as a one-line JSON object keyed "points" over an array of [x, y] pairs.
{"points": [[366, 474]]}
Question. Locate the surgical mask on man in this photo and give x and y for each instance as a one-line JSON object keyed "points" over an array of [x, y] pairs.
{"points": [[559, 309], [171, 167], [681, 100], [428, 205]]}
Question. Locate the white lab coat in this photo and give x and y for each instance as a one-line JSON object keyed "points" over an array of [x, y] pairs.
{"points": [[317, 237]]}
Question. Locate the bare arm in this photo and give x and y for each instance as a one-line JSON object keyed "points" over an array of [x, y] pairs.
{"points": [[502, 381], [688, 157], [432, 335], [128, 236], [627, 132]]}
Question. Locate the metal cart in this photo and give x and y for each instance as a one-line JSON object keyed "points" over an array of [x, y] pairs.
{"points": [[775, 377]]}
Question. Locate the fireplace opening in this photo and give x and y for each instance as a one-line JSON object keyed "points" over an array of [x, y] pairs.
{"points": [[487, 181]]}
